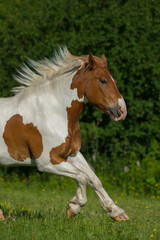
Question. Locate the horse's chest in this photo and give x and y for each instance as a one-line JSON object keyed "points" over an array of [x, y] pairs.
{"points": [[75, 144], [72, 142], [70, 147]]}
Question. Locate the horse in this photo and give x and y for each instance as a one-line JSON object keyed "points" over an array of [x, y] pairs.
{"points": [[40, 123]]}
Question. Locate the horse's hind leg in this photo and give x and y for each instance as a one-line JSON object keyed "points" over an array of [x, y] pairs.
{"points": [[2, 218]]}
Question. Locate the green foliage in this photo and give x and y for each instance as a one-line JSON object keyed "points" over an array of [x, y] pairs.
{"points": [[128, 32]]}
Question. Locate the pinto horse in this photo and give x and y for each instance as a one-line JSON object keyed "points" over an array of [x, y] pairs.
{"points": [[40, 124]]}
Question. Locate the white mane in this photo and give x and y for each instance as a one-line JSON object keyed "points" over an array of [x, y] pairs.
{"points": [[46, 69]]}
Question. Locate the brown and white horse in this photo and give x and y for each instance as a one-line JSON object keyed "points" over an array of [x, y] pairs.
{"points": [[40, 124]]}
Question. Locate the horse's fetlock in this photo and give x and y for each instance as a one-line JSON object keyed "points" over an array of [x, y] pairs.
{"points": [[75, 207], [82, 202]]}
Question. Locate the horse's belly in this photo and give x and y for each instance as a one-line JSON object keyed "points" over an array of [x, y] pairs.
{"points": [[8, 161]]}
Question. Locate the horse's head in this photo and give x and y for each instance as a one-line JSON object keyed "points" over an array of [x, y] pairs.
{"points": [[101, 89], [97, 84]]}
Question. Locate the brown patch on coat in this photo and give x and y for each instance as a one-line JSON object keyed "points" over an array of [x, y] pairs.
{"points": [[72, 142], [78, 83], [23, 140]]}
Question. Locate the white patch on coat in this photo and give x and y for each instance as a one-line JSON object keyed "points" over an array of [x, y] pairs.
{"points": [[123, 106], [122, 103]]}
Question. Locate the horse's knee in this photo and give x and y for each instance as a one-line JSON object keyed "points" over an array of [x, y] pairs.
{"points": [[96, 184]]}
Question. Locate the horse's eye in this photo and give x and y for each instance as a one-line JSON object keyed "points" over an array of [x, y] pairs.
{"points": [[103, 81]]}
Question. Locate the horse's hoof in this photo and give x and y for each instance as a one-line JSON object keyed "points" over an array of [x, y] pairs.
{"points": [[2, 218], [122, 217], [70, 213]]}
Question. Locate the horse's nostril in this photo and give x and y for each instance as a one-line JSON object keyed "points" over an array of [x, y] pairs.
{"points": [[118, 113], [114, 111], [120, 109], [111, 111]]}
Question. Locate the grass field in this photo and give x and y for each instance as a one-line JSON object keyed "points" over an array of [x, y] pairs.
{"points": [[40, 213]]}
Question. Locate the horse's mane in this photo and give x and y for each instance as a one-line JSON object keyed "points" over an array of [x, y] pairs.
{"points": [[45, 70]]}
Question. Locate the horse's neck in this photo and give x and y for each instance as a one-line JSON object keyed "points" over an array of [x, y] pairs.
{"points": [[51, 97]]}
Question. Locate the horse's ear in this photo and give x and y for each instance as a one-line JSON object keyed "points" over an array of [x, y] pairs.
{"points": [[103, 57], [91, 61]]}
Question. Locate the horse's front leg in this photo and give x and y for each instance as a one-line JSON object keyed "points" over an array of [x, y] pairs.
{"points": [[78, 201], [108, 205]]}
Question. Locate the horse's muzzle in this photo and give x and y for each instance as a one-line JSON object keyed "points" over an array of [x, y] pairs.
{"points": [[119, 111]]}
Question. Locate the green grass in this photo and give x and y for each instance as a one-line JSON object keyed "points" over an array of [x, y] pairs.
{"points": [[39, 209]]}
